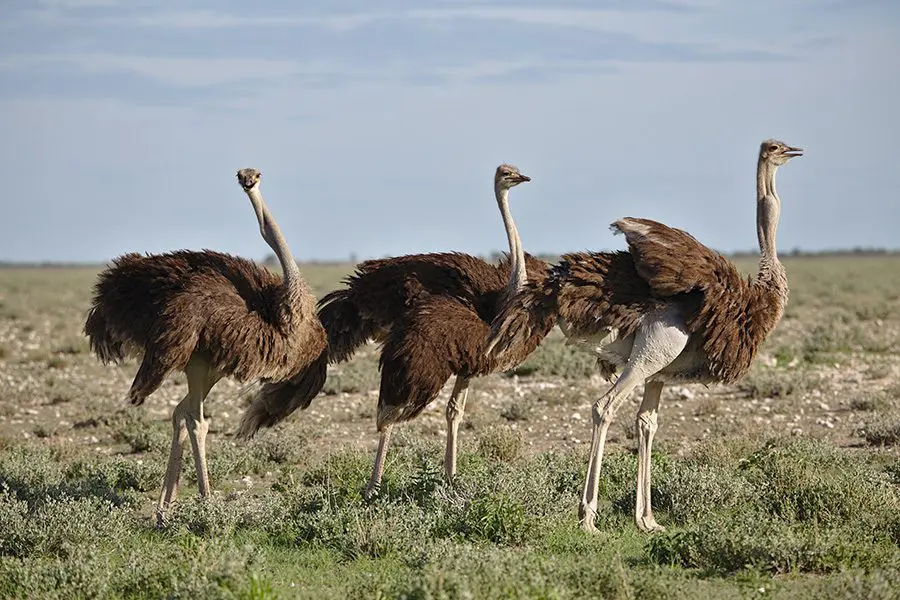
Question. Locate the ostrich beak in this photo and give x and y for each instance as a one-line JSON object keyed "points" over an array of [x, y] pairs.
{"points": [[792, 152]]}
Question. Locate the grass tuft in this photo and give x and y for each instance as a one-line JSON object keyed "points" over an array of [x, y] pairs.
{"points": [[883, 430]]}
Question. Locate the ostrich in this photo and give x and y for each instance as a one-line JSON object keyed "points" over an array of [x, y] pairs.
{"points": [[432, 313], [209, 315], [669, 310]]}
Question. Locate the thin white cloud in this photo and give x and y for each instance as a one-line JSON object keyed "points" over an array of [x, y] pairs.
{"points": [[497, 69], [207, 19], [75, 4], [714, 24], [185, 72], [593, 19], [704, 20]]}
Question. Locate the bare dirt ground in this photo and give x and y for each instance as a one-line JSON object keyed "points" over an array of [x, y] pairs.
{"points": [[832, 370]]}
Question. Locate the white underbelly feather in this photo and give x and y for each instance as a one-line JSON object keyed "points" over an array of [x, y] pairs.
{"points": [[606, 344]]}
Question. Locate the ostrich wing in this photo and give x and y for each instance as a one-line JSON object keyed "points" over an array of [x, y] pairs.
{"points": [[385, 289], [230, 308], [247, 338], [167, 307], [600, 291], [672, 261], [733, 315], [437, 338]]}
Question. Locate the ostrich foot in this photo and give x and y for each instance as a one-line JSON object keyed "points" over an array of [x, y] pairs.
{"points": [[587, 516], [371, 491], [160, 518], [648, 524]]}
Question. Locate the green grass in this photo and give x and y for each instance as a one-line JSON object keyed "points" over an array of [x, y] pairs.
{"points": [[752, 515], [739, 517]]}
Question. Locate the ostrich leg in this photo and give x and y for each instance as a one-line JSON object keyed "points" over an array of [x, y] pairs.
{"points": [[201, 379], [179, 435], [656, 344], [378, 468], [173, 472], [602, 413], [456, 408], [646, 428]]}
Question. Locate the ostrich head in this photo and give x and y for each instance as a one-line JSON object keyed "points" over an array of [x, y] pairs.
{"points": [[508, 176], [777, 153], [248, 178]]}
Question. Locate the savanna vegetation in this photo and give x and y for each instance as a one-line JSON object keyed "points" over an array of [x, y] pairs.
{"points": [[784, 485]]}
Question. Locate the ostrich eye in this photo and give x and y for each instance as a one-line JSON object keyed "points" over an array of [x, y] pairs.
{"points": [[773, 148]]}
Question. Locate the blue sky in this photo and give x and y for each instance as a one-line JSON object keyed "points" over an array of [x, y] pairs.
{"points": [[377, 126]]}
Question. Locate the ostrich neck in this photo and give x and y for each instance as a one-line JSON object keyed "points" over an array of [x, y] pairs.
{"points": [[517, 274], [768, 209], [271, 233]]}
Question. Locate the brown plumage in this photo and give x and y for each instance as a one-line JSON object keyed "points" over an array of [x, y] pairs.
{"points": [[210, 315], [436, 334], [380, 295], [670, 309], [432, 313], [592, 292], [732, 315], [597, 292], [164, 308]]}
